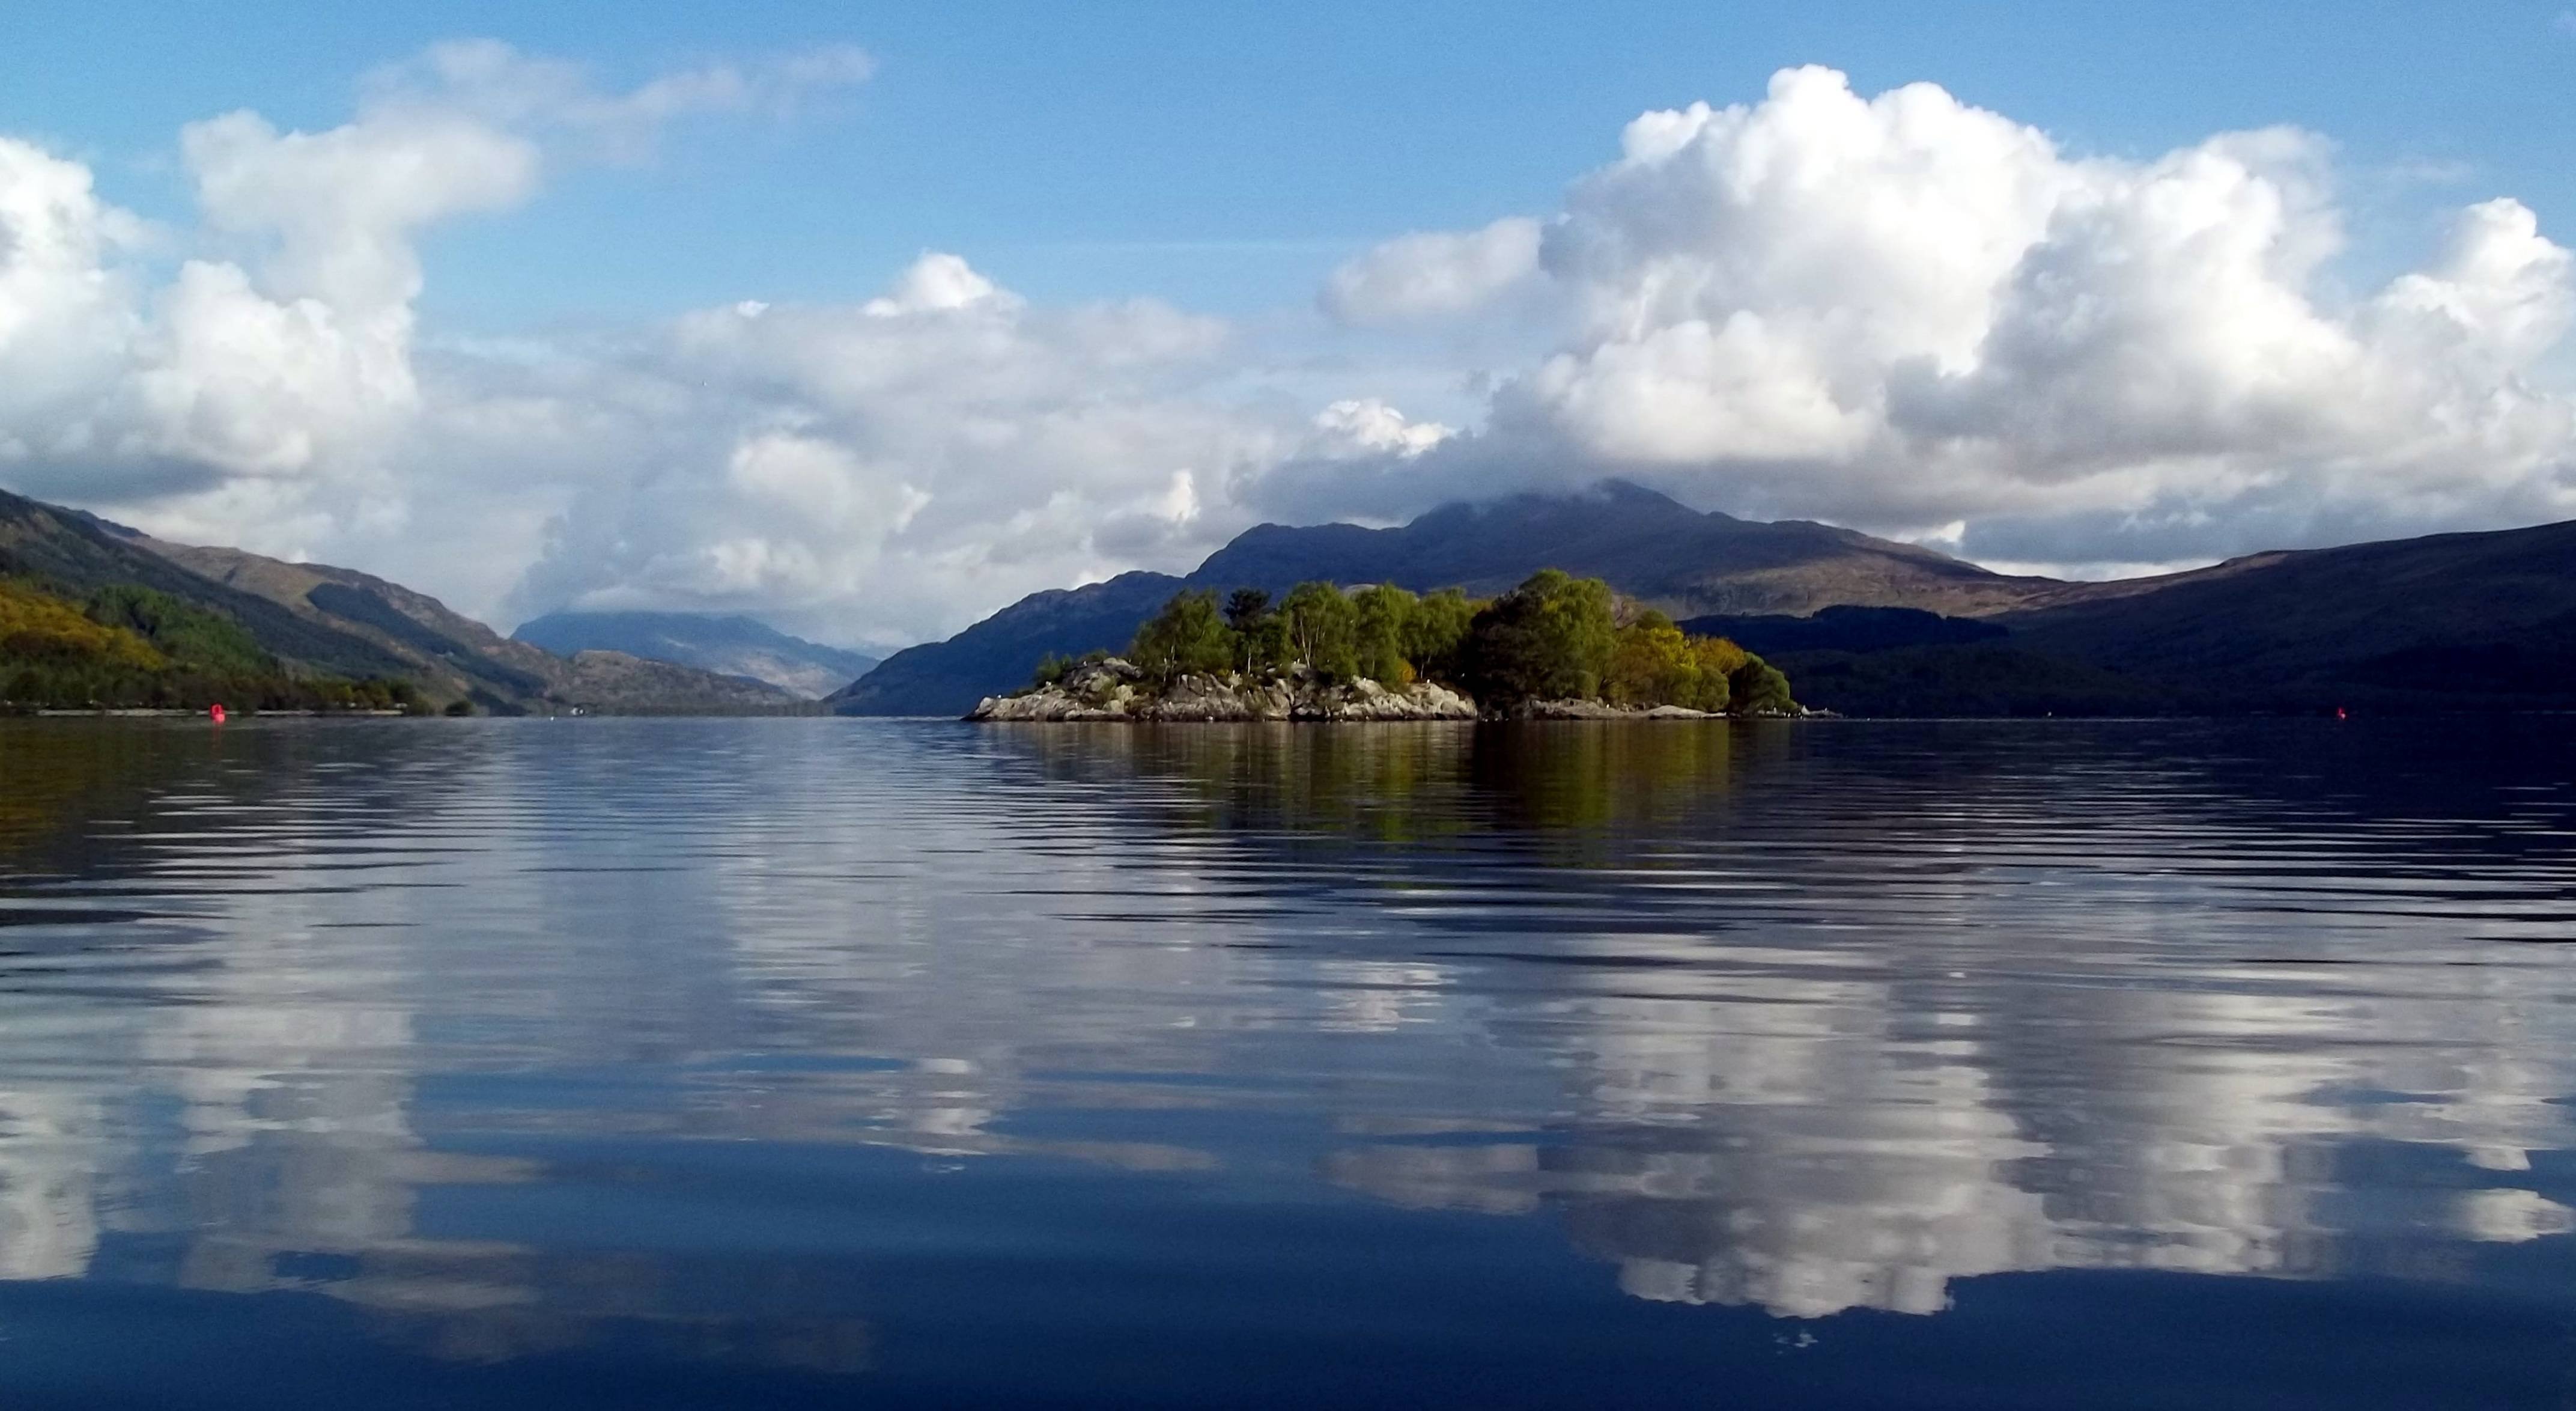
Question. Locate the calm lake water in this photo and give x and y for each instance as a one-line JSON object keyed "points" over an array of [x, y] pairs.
{"points": [[640, 1063]]}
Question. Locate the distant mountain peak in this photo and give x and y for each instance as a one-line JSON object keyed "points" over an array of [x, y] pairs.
{"points": [[1643, 542], [1614, 495], [730, 644]]}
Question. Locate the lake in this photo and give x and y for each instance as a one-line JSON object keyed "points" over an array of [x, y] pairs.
{"points": [[629, 1063]]}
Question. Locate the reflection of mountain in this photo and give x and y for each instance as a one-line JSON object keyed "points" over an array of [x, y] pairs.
{"points": [[672, 1025]]}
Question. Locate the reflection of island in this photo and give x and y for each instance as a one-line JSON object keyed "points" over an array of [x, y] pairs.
{"points": [[1806, 1053]]}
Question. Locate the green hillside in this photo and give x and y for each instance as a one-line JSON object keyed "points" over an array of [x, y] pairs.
{"points": [[127, 646], [250, 631]]}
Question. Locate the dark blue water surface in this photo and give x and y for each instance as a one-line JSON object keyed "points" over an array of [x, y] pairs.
{"points": [[785, 1062]]}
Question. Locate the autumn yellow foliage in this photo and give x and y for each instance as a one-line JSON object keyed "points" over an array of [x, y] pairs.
{"points": [[37, 626], [1652, 662]]}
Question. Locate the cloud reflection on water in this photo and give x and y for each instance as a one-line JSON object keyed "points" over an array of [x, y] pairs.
{"points": [[1806, 1020]]}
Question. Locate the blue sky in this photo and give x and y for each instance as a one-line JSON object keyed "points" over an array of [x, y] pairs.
{"points": [[665, 306], [1225, 156]]}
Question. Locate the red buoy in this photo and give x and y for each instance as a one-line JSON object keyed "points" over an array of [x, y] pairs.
{"points": [[215, 712]]}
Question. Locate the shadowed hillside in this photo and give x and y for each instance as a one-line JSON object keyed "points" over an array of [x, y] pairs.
{"points": [[2469, 619], [2450, 622]]}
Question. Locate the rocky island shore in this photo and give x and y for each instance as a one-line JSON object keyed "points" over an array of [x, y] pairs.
{"points": [[1117, 689]]}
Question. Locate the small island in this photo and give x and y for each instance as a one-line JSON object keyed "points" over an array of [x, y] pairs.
{"points": [[1556, 647]]}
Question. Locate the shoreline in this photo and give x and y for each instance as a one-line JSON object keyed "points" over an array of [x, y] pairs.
{"points": [[167, 713]]}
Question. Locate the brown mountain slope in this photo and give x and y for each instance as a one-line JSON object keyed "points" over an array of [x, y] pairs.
{"points": [[456, 656], [79, 554]]}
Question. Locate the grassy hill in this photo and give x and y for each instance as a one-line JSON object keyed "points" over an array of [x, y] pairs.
{"points": [[126, 646]]}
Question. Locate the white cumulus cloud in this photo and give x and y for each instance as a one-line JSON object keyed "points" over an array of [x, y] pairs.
{"points": [[943, 444], [1433, 274], [268, 392], [1902, 311], [66, 311], [1899, 312]]}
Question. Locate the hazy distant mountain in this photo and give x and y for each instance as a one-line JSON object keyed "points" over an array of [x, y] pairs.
{"points": [[1646, 545], [338, 622], [734, 646]]}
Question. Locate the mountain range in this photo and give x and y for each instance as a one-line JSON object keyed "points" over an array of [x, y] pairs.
{"points": [[319, 620], [1871, 626], [728, 646], [2473, 621], [1646, 545]]}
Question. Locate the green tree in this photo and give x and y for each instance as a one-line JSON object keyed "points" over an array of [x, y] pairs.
{"points": [[1758, 686], [1261, 636], [1323, 630], [1245, 607], [1650, 664], [1435, 635], [1550, 638], [1380, 615], [1715, 660], [1653, 663], [1187, 636]]}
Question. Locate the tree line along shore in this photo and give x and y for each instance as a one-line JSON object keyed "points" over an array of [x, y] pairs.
{"points": [[1556, 645]]}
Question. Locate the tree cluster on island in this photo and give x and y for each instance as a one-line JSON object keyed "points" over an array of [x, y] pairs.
{"points": [[1554, 638]]}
